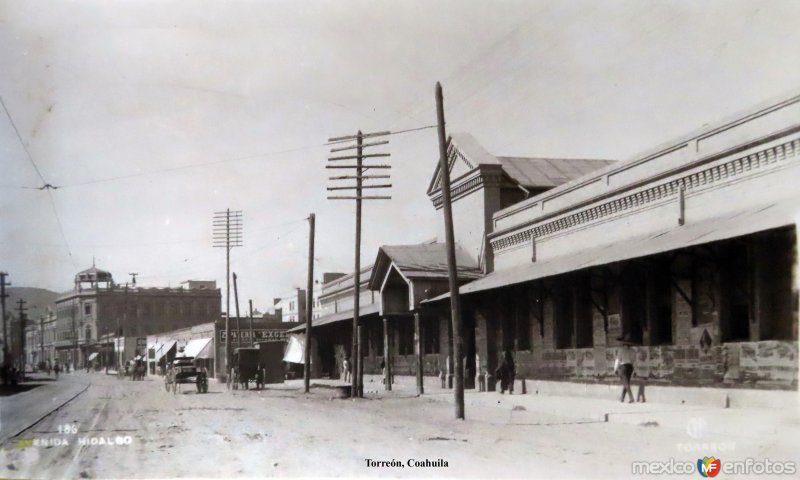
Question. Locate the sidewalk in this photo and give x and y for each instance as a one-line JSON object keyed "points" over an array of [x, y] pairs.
{"points": [[712, 420]]}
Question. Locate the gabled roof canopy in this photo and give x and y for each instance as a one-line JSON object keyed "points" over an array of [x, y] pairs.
{"points": [[427, 260], [465, 154]]}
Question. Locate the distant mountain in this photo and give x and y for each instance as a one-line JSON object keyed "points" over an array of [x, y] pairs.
{"points": [[38, 299]]}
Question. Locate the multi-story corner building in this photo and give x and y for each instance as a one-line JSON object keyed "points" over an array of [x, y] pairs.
{"points": [[98, 311]]}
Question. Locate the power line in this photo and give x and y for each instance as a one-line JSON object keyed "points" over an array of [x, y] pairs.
{"points": [[185, 167], [61, 227], [45, 185], [24, 147], [48, 186], [474, 60]]}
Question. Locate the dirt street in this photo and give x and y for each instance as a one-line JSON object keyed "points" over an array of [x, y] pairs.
{"points": [[125, 429]]}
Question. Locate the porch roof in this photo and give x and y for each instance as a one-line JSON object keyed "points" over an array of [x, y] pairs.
{"points": [[428, 260], [754, 219], [338, 317]]}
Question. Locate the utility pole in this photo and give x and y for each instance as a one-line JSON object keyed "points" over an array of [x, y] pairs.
{"points": [[227, 233], [118, 337], [41, 337], [252, 338], [238, 325], [455, 306], [133, 278], [309, 304], [420, 355], [74, 334], [22, 309], [3, 296], [357, 383]]}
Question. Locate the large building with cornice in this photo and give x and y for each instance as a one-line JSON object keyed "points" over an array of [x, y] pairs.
{"points": [[98, 316], [690, 249]]}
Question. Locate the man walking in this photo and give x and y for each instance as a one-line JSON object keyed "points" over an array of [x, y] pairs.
{"points": [[623, 366]]}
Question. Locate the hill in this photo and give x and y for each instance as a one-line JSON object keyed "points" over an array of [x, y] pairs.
{"points": [[38, 300]]}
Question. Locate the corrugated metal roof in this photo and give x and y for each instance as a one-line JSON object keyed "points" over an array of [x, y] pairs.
{"points": [[339, 317], [548, 172], [530, 172], [430, 260]]}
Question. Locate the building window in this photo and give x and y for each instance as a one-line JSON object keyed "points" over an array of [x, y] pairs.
{"points": [[87, 308]]}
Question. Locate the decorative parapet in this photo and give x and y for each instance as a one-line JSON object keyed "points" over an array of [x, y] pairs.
{"points": [[725, 171]]}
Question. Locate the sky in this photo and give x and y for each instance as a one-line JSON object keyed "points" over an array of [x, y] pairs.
{"points": [[152, 115]]}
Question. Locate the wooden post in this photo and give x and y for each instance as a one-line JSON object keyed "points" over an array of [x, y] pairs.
{"points": [[309, 304], [228, 355], [418, 347], [3, 296], [355, 381], [252, 339], [236, 301], [387, 349], [360, 373], [455, 307], [22, 309]]}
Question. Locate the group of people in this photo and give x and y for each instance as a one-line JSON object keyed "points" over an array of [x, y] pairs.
{"points": [[506, 372]]}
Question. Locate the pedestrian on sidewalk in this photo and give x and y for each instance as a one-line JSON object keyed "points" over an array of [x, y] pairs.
{"points": [[346, 369], [260, 376], [506, 372], [623, 366]]}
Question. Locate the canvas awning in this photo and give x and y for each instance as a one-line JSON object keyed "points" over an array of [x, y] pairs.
{"points": [[92, 356], [338, 317], [744, 222], [198, 348], [165, 348]]}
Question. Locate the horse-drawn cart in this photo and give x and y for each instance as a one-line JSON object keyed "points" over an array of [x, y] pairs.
{"points": [[183, 370]]}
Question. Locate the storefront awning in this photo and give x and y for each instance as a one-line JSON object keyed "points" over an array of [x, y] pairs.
{"points": [[197, 348], [92, 356], [752, 220], [339, 316], [165, 348]]}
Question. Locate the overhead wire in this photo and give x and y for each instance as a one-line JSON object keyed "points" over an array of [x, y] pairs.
{"points": [[24, 146], [45, 184]]}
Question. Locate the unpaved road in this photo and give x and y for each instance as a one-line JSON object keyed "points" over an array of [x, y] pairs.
{"points": [[283, 432]]}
